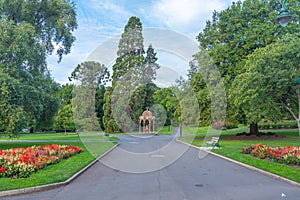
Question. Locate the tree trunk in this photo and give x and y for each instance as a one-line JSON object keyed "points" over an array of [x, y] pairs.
{"points": [[254, 129], [31, 130]]}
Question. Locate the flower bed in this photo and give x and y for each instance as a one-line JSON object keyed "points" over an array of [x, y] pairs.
{"points": [[287, 155], [21, 162]]}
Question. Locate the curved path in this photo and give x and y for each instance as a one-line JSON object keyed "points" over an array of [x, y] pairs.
{"points": [[188, 178]]}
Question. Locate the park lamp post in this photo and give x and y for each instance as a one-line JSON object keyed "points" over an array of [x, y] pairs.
{"points": [[284, 16], [298, 83]]}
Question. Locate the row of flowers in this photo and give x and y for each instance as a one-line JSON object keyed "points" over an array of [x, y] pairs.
{"points": [[21, 162], [287, 155]]}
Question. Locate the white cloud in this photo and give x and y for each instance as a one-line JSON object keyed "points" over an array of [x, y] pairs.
{"points": [[184, 13], [113, 6]]}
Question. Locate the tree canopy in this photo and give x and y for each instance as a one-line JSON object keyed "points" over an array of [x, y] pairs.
{"points": [[267, 89], [53, 21], [29, 32], [230, 39]]}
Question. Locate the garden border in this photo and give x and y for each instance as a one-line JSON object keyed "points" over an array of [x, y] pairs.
{"points": [[275, 176], [53, 185]]}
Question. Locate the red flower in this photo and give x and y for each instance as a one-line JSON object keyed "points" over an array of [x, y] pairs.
{"points": [[36, 156], [2, 170]]}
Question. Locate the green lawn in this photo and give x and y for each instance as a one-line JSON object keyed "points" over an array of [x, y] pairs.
{"points": [[194, 132], [57, 172], [233, 148], [43, 136], [166, 130], [59, 136]]}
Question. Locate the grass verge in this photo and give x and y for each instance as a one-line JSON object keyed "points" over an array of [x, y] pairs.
{"points": [[54, 173], [233, 148]]}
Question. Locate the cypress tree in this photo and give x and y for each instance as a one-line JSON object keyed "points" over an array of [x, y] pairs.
{"points": [[150, 66]]}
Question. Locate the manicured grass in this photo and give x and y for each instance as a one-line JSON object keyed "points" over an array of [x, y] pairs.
{"points": [[60, 136], [43, 136], [166, 130], [233, 148], [201, 132], [57, 172]]}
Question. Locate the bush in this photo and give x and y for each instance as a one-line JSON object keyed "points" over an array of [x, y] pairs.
{"points": [[227, 125], [259, 134]]}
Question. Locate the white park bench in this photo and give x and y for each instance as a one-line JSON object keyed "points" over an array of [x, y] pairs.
{"points": [[214, 142]]}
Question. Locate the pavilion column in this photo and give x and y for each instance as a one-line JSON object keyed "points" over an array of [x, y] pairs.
{"points": [[140, 124]]}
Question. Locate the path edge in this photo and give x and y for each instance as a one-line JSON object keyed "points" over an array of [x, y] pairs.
{"points": [[275, 176], [54, 185]]}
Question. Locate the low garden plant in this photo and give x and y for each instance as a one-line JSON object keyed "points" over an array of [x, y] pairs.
{"points": [[22, 162], [289, 155]]}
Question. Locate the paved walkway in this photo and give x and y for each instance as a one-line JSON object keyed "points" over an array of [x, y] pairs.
{"points": [[131, 175]]}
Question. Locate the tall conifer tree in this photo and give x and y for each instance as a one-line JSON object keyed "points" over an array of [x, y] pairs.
{"points": [[124, 79]]}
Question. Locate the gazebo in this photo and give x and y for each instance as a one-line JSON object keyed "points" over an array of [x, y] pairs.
{"points": [[147, 122]]}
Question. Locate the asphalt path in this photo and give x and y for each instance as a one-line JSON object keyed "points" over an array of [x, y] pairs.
{"points": [[159, 168]]}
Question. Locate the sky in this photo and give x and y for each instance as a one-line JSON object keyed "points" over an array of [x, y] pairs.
{"points": [[165, 22]]}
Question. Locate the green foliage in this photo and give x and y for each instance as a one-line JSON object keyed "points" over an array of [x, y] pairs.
{"points": [[53, 21], [167, 98], [136, 103], [64, 119], [65, 94], [126, 73], [49, 102], [267, 89], [99, 102], [238, 30], [278, 125], [28, 32], [130, 50], [88, 76], [206, 83], [150, 66], [109, 123], [24, 57], [132, 86], [229, 38]]}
